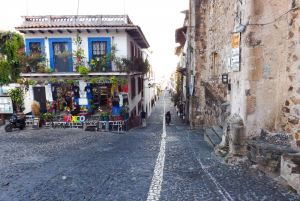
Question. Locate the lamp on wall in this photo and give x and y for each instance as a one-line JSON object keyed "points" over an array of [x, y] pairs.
{"points": [[225, 78]]}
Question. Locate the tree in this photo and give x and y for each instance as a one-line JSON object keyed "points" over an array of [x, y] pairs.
{"points": [[10, 44]]}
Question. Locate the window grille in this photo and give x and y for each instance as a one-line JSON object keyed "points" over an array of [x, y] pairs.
{"points": [[35, 47], [99, 48]]}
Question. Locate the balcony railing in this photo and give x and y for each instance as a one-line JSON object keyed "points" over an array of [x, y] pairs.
{"points": [[55, 20]]}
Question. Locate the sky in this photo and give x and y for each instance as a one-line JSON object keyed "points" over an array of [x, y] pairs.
{"points": [[158, 20]]}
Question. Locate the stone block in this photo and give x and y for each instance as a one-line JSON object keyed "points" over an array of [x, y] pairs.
{"points": [[290, 170]]}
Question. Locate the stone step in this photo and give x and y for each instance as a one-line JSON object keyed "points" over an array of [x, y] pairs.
{"points": [[211, 137], [218, 130]]}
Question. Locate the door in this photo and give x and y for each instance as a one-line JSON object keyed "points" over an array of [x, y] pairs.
{"points": [[39, 94], [61, 64]]}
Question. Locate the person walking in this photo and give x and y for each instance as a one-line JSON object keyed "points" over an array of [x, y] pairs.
{"points": [[143, 117]]}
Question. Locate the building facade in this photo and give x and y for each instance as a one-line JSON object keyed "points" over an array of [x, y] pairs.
{"points": [[108, 45]]}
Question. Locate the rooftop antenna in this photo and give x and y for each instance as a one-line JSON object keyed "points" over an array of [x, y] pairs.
{"points": [[124, 6], [77, 8], [27, 7]]}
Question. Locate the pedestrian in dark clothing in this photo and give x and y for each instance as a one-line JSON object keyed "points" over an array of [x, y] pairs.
{"points": [[143, 117]]}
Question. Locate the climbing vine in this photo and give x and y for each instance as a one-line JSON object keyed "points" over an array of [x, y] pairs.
{"points": [[4, 72], [10, 44]]}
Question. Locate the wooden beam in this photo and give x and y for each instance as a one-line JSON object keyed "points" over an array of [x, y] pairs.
{"points": [[24, 32], [78, 31], [88, 30], [106, 30], [32, 32], [69, 30], [98, 30], [117, 31], [41, 31], [60, 31], [50, 31]]}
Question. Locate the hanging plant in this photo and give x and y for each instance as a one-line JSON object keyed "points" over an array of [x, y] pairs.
{"points": [[61, 80], [123, 82], [101, 79], [93, 80], [70, 81], [53, 80], [113, 79]]}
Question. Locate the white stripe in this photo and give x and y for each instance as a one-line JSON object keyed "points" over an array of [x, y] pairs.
{"points": [[220, 189], [157, 179]]}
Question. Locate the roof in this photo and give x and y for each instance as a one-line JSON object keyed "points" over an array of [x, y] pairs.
{"points": [[83, 23]]}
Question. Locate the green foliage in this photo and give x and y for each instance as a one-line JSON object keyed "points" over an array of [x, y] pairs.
{"points": [[83, 70], [65, 54], [124, 110], [17, 95], [123, 82], [70, 81], [31, 82], [48, 70], [113, 79], [61, 80], [101, 79], [4, 72], [104, 60], [53, 79], [13, 37], [94, 80]]}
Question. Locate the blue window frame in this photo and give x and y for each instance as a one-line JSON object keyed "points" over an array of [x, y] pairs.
{"points": [[28, 43], [51, 56], [103, 39]]}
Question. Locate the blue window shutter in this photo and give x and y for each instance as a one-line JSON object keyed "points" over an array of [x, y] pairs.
{"points": [[51, 57], [103, 39], [35, 40]]}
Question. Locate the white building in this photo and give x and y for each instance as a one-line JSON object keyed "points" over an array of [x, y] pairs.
{"points": [[99, 33]]}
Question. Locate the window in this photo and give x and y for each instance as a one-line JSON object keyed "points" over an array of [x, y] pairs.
{"points": [[35, 45], [132, 88], [214, 64], [98, 47], [139, 85], [57, 45]]}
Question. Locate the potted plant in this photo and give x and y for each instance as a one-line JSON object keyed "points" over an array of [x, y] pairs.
{"points": [[104, 59], [70, 81], [83, 70], [123, 82], [85, 78], [93, 80], [64, 55], [79, 54], [93, 64], [113, 80], [124, 112], [47, 116], [46, 82], [31, 82], [101, 79], [17, 96], [61, 80], [106, 116], [53, 80], [127, 64], [48, 70], [101, 116], [20, 81]]}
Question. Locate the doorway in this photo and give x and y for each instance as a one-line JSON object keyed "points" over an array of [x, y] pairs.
{"points": [[39, 94], [61, 64]]}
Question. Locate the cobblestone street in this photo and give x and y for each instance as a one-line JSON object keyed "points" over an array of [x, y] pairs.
{"points": [[152, 163]]}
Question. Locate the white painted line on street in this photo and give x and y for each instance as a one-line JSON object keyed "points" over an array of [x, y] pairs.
{"points": [[157, 179], [221, 190]]}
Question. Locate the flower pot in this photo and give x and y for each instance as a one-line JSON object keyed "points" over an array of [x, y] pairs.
{"points": [[56, 70], [102, 119], [103, 69], [77, 59], [106, 118], [32, 69], [65, 60]]}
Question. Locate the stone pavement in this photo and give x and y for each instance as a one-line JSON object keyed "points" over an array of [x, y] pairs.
{"points": [[72, 164]]}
